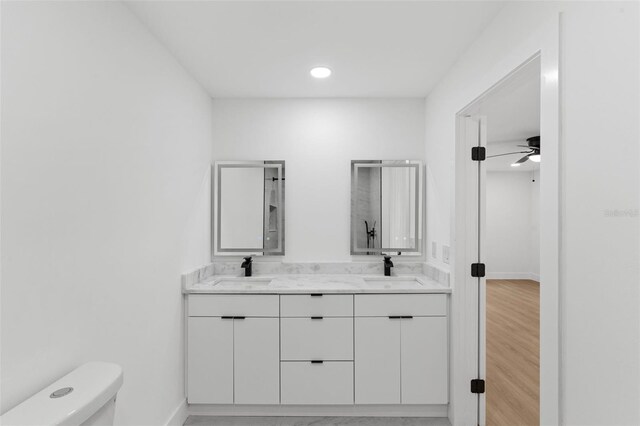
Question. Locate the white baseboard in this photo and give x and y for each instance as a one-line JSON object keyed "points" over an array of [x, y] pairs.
{"points": [[320, 410], [179, 415], [513, 276]]}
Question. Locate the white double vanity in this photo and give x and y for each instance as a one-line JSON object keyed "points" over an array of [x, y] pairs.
{"points": [[316, 335], [317, 340]]}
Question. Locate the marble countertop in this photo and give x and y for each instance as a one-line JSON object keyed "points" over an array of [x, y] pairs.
{"points": [[292, 284]]}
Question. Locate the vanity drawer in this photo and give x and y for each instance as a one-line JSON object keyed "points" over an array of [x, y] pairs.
{"points": [[316, 383], [382, 305], [248, 305], [305, 339], [316, 305]]}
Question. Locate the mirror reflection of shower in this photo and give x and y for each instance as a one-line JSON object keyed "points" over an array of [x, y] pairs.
{"points": [[385, 207], [369, 208]]}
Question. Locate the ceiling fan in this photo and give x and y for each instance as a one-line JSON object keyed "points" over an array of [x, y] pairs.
{"points": [[533, 154]]}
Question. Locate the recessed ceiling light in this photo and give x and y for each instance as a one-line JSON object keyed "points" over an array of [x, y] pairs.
{"points": [[320, 72], [515, 165]]}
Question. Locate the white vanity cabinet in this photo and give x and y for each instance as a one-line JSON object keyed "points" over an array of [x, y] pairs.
{"points": [[232, 349], [377, 354], [210, 360], [317, 349], [401, 349]]}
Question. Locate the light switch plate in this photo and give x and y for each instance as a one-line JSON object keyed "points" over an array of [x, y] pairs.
{"points": [[434, 249], [445, 254]]}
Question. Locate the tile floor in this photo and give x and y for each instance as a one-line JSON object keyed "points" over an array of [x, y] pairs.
{"points": [[314, 421]]}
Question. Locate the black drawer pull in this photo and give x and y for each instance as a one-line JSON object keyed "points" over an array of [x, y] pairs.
{"points": [[316, 362], [227, 317], [314, 318], [408, 317], [239, 317], [395, 317], [316, 294]]}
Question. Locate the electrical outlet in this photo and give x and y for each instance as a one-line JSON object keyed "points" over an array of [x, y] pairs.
{"points": [[445, 254], [434, 250]]}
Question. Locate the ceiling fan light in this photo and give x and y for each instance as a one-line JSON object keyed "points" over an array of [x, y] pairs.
{"points": [[535, 158]]}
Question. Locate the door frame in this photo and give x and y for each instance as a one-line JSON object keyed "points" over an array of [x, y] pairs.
{"points": [[466, 407]]}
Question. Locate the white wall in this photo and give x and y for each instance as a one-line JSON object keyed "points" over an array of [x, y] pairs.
{"points": [[106, 146], [512, 218], [318, 138], [600, 251]]}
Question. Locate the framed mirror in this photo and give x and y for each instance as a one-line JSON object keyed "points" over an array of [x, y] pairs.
{"points": [[386, 207], [249, 208]]}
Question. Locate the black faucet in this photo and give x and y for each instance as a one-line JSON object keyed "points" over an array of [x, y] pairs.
{"points": [[388, 264], [247, 266]]}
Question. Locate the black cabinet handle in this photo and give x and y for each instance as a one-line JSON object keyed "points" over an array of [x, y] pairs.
{"points": [[238, 317], [315, 318], [227, 317], [316, 362], [316, 294], [408, 317], [395, 317]]}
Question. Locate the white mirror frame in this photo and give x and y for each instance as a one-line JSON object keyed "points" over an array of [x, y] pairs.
{"points": [[415, 164], [217, 219]]}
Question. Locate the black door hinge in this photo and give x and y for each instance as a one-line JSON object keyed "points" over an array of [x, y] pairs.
{"points": [[477, 269], [477, 386], [478, 153]]}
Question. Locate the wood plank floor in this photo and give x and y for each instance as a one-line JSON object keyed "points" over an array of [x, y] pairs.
{"points": [[513, 353]]}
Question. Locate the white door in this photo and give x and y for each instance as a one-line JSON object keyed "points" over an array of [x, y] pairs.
{"points": [[256, 361], [210, 360], [424, 360], [377, 360]]}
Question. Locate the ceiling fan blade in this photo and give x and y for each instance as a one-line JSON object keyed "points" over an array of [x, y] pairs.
{"points": [[523, 159], [509, 153]]}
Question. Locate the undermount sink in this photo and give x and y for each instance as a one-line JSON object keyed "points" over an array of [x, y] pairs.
{"points": [[391, 282], [240, 282]]}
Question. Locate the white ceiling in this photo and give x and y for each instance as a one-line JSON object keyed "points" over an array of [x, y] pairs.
{"points": [[512, 111], [266, 49]]}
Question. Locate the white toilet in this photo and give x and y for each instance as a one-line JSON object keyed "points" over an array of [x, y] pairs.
{"points": [[86, 396]]}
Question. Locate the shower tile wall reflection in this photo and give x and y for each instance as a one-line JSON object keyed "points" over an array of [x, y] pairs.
{"points": [[368, 207]]}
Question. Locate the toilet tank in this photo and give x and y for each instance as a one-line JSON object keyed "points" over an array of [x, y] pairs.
{"points": [[86, 396]]}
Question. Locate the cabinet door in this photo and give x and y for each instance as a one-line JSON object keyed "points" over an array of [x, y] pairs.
{"points": [[424, 360], [377, 360], [210, 360], [256, 361]]}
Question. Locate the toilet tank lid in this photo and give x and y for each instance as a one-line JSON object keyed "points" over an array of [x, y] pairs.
{"points": [[93, 383]]}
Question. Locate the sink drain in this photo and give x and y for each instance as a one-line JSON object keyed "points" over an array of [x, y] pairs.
{"points": [[61, 392]]}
